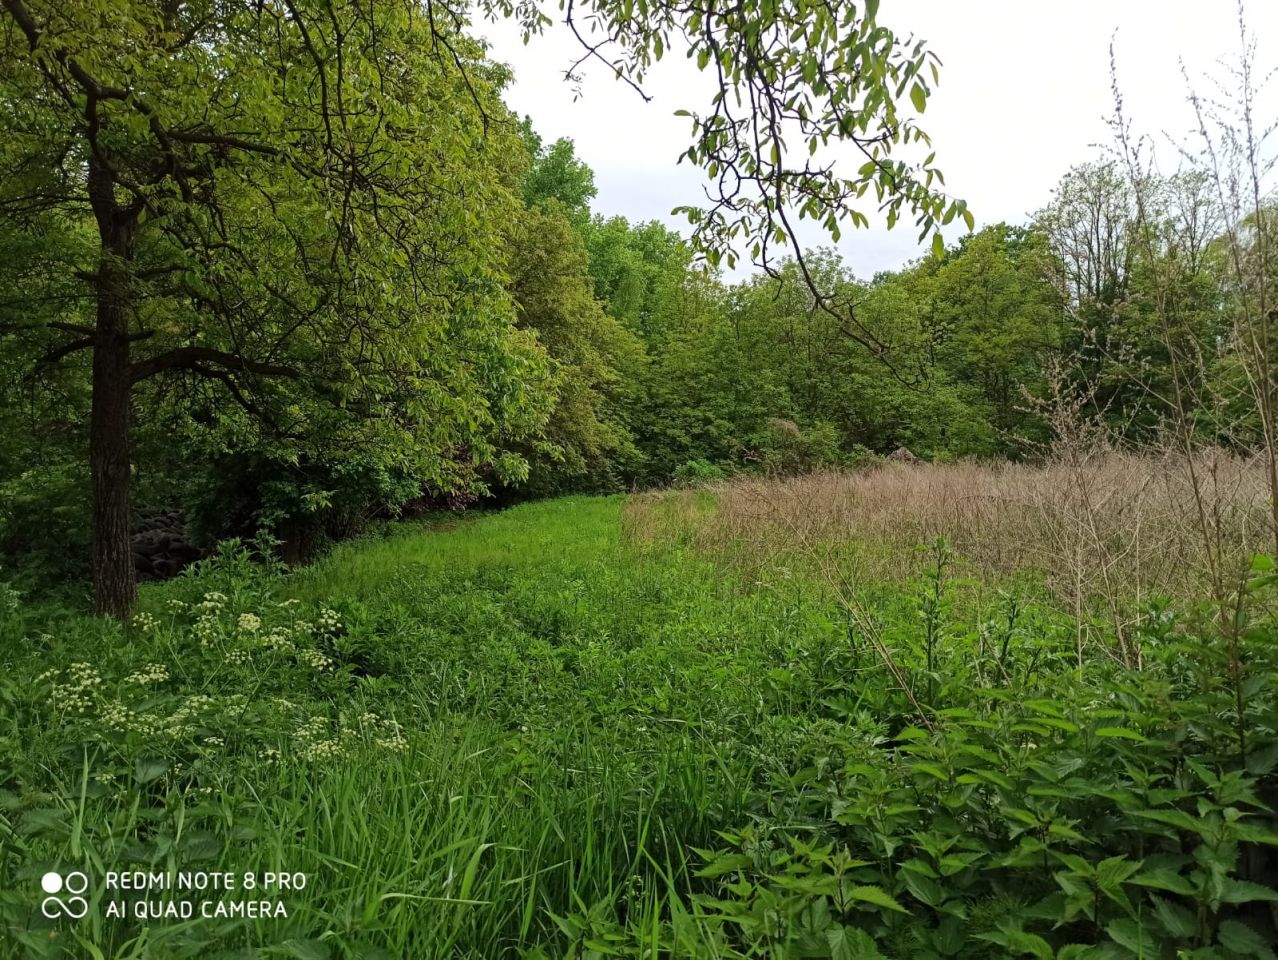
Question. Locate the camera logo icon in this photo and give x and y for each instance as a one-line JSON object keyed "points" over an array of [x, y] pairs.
{"points": [[71, 904]]}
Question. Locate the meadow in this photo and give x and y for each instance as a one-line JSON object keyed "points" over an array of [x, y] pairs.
{"points": [[848, 715], [404, 556]]}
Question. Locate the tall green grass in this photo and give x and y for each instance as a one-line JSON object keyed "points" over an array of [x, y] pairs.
{"points": [[577, 716], [527, 734]]}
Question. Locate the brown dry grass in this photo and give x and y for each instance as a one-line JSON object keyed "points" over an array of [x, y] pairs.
{"points": [[1102, 530]]}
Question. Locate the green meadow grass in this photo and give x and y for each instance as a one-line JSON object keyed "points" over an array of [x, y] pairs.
{"points": [[577, 715], [526, 734]]}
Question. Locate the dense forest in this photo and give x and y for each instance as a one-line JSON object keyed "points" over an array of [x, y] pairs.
{"points": [[403, 556], [615, 360]]}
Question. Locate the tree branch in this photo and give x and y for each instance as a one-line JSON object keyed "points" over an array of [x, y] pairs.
{"points": [[194, 358]]}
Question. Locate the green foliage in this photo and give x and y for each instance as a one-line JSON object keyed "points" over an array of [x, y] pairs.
{"points": [[595, 362], [816, 76], [643, 274], [469, 716], [1050, 826], [993, 316], [786, 448], [695, 473], [44, 531], [1145, 282], [500, 338], [520, 733], [555, 175], [277, 261], [763, 378], [287, 220]]}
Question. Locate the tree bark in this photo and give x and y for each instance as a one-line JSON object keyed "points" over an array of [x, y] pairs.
{"points": [[114, 581]]}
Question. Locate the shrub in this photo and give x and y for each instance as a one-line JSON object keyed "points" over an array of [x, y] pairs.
{"points": [[44, 530], [695, 473], [783, 447]]}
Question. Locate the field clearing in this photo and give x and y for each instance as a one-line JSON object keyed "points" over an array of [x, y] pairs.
{"points": [[1102, 534], [660, 726]]}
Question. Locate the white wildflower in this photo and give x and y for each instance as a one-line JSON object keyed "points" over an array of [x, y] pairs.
{"points": [[145, 622]]}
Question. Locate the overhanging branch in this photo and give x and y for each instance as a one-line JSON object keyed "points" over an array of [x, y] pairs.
{"points": [[194, 359]]}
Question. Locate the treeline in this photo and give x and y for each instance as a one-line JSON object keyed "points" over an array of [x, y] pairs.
{"points": [[277, 251], [494, 338], [1113, 307], [642, 368]]}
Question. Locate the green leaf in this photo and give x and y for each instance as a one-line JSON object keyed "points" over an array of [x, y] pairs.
{"points": [[1237, 937], [725, 863], [1121, 732], [146, 769], [1176, 920], [876, 896], [948, 938], [1133, 936], [924, 888], [1160, 878], [1263, 761], [1250, 833], [931, 769], [849, 943], [1244, 891], [918, 97], [1173, 818]]}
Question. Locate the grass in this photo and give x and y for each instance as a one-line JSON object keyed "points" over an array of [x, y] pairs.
{"points": [[560, 749], [1098, 533], [585, 728]]}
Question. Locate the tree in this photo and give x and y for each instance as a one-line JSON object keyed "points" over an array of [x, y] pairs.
{"points": [[996, 318], [806, 118], [296, 201], [595, 362], [1089, 224], [1135, 267], [555, 175], [245, 210], [644, 274]]}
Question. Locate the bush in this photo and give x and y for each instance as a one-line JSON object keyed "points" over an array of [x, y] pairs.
{"points": [[695, 473], [784, 448], [44, 526]]}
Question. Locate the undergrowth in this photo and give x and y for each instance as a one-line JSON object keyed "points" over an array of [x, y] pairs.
{"points": [[527, 735]]}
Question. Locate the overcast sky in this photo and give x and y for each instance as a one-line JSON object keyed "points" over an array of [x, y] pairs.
{"points": [[1024, 92]]}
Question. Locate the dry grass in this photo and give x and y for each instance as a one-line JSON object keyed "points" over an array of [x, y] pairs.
{"points": [[1103, 531]]}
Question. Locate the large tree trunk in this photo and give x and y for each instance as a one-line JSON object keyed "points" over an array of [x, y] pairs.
{"points": [[114, 583]]}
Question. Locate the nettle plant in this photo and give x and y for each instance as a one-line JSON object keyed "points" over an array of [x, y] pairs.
{"points": [[1114, 814]]}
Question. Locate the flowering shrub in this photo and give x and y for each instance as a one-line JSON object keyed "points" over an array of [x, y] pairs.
{"points": [[205, 677]]}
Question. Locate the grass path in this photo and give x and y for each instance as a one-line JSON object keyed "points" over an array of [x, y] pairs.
{"points": [[579, 714], [574, 530]]}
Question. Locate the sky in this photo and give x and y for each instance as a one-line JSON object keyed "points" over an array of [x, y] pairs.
{"points": [[1024, 93]]}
